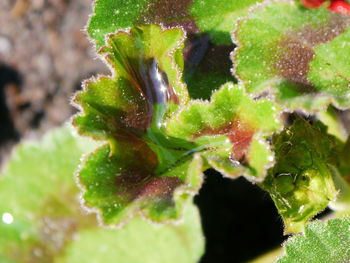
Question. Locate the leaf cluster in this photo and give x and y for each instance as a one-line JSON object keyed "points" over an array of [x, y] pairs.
{"points": [[249, 89]]}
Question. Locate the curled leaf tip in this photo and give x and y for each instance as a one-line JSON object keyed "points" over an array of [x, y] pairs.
{"points": [[230, 131], [140, 169], [301, 181]]}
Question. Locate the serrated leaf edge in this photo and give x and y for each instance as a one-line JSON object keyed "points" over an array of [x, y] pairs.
{"points": [[114, 72], [234, 33], [258, 135], [270, 90], [178, 192]]}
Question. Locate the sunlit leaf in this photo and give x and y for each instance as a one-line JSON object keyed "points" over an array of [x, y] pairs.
{"points": [[140, 170], [330, 70], [321, 243], [230, 131], [207, 64], [41, 219], [112, 15], [300, 183], [296, 54], [218, 18]]}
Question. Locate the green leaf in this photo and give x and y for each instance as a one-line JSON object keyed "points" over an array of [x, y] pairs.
{"points": [[330, 70], [345, 160], [140, 241], [144, 87], [207, 65], [322, 243], [301, 183], [140, 170], [230, 131], [41, 219], [331, 119], [341, 178], [112, 15], [295, 53], [40, 209], [120, 185], [218, 18]]}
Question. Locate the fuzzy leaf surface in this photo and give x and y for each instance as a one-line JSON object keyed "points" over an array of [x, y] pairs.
{"points": [[296, 54], [112, 15], [140, 169], [229, 131], [218, 18], [330, 70], [301, 183], [207, 61], [321, 243], [41, 219]]}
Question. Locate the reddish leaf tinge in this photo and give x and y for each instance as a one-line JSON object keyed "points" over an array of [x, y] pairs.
{"points": [[240, 134]]}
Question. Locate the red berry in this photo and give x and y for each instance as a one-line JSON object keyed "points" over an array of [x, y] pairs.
{"points": [[340, 7], [312, 3]]}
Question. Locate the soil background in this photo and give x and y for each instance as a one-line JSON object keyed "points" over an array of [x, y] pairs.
{"points": [[45, 55]]}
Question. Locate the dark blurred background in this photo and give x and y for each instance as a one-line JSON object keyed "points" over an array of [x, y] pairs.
{"points": [[240, 222], [44, 56]]}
